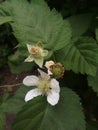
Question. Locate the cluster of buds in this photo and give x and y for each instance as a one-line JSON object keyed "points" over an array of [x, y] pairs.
{"points": [[37, 54]]}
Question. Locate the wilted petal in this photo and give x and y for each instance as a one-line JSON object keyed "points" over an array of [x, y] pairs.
{"points": [[29, 58], [53, 98], [49, 63], [30, 80], [44, 75], [32, 93], [54, 84]]}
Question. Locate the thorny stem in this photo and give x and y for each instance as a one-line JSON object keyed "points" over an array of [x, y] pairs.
{"points": [[10, 86]]}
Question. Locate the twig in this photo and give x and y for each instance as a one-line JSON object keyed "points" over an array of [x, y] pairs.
{"points": [[10, 86]]}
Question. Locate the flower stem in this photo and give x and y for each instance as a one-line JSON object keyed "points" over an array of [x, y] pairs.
{"points": [[10, 86]]}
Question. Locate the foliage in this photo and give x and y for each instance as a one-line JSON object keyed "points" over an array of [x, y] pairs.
{"points": [[81, 55], [93, 82], [42, 114], [70, 40]]}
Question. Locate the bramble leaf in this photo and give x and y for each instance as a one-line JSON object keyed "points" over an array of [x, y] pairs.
{"points": [[5, 19], [14, 103], [93, 82], [17, 64], [2, 120], [38, 114], [81, 55], [80, 23], [96, 33], [30, 26]]}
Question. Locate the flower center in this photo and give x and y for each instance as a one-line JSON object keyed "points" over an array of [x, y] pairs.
{"points": [[35, 51], [44, 86]]}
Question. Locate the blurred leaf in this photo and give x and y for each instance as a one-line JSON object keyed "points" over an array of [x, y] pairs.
{"points": [[17, 64], [14, 103], [92, 125], [2, 120], [96, 34], [80, 23], [81, 55], [5, 19], [39, 115], [93, 82]]}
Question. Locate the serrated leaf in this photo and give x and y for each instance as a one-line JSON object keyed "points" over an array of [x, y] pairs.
{"points": [[33, 22], [37, 114], [93, 82], [15, 102], [2, 120], [80, 23], [80, 55]]}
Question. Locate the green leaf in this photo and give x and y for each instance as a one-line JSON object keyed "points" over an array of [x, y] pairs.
{"points": [[15, 102], [80, 23], [33, 22], [5, 19], [37, 114], [96, 31], [93, 82], [81, 55], [17, 64], [2, 120], [91, 125]]}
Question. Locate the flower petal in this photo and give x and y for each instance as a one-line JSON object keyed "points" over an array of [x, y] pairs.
{"points": [[29, 58], [49, 72], [39, 61], [49, 63], [54, 84], [31, 80], [44, 75], [32, 93], [53, 98]]}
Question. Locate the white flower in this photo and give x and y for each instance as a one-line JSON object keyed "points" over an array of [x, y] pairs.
{"points": [[45, 86], [37, 54], [48, 64]]}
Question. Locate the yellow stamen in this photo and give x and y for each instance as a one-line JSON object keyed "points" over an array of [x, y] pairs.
{"points": [[44, 86]]}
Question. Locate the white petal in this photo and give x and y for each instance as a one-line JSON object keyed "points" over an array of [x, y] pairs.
{"points": [[49, 72], [44, 75], [32, 93], [30, 80], [54, 84], [49, 63], [53, 98]]}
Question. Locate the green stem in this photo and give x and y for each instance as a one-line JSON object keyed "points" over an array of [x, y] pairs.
{"points": [[10, 86]]}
